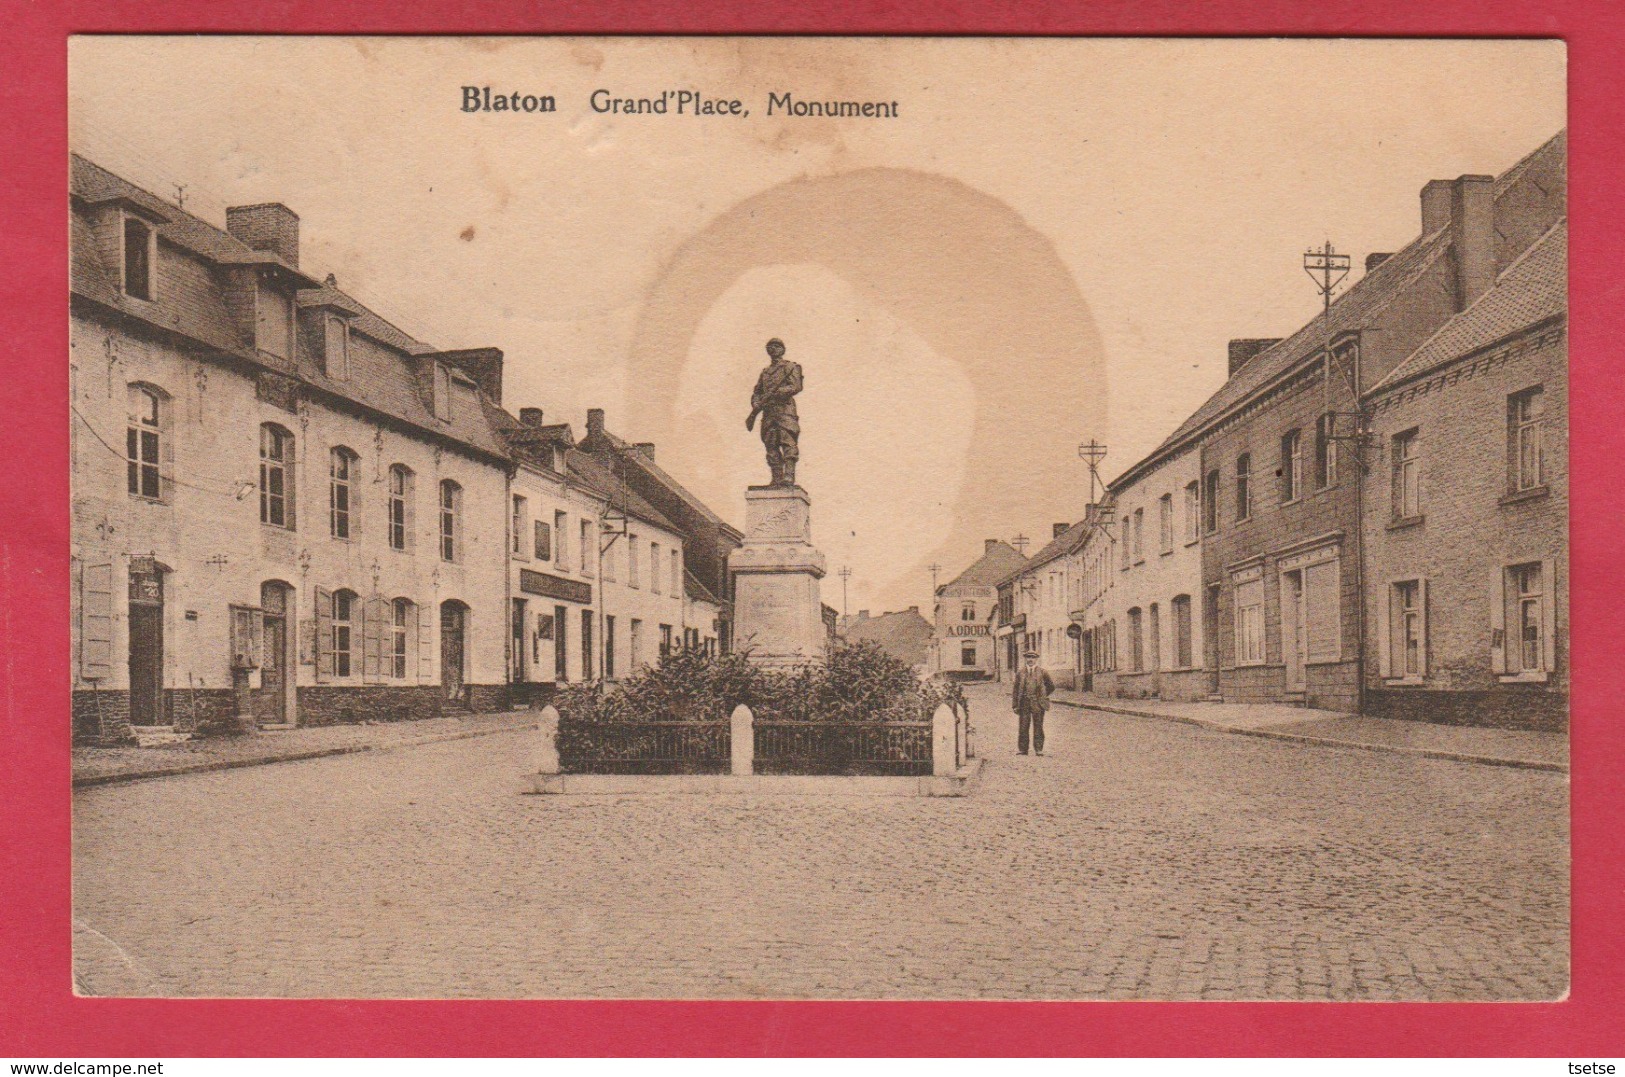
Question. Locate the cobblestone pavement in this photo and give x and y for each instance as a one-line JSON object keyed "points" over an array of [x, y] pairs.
{"points": [[1136, 859]]}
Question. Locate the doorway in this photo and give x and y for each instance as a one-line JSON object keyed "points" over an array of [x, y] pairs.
{"points": [[521, 654], [1293, 636], [274, 702], [146, 647], [1210, 638], [453, 648]]}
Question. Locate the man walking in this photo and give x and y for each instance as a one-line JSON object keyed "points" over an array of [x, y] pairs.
{"points": [[1030, 700]]}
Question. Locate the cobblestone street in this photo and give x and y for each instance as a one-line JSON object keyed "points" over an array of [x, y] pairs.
{"points": [[1136, 859]]}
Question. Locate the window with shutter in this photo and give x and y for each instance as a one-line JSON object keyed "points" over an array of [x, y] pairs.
{"points": [[1322, 612], [1250, 623], [543, 544]]}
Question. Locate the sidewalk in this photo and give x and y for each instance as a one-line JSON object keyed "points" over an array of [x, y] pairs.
{"points": [[1529, 749], [100, 766]]}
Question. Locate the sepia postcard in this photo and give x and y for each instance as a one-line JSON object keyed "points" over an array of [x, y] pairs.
{"points": [[819, 518]]}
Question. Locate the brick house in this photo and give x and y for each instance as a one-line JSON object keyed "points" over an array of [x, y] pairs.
{"points": [[962, 643], [1466, 511], [1155, 598], [597, 579], [1039, 603], [1281, 463], [706, 538], [285, 509]]}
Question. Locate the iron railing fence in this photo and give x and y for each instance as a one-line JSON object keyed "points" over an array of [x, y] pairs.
{"points": [[875, 748], [644, 747]]}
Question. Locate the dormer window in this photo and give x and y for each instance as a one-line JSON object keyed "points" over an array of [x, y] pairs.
{"points": [[273, 320], [442, 393], [336, 347], [140, 248]]}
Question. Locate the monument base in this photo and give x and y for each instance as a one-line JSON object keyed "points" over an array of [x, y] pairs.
{"points": [[778, 607]]}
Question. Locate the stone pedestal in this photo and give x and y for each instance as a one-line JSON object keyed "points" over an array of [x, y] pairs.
{"points": [[778, 609]]}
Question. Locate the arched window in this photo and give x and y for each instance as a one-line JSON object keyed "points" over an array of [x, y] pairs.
{"points": [[451, 512], [400, 507], [403, 623], [276, 476], [143, 442], [340, 491], [342, 637]]}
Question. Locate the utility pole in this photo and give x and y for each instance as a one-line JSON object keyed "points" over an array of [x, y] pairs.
{"points": [[1093, 452], [1020, 543], [935, 568], [845, 574], [1328, 269]]}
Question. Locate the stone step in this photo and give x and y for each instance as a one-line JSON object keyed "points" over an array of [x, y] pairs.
{"points": [[157, 736]]}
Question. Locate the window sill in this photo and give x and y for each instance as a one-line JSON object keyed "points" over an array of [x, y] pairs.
{"points": [[1402, 682], [1139, 561], [1528, 676], [145, 500], [1534, 493], [1166, 553], [286, 530], [1192, 542], [1399, 523], [1291, 501]]}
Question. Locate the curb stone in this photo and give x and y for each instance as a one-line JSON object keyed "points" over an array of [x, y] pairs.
{"points": [[1329, 742], [90, 780]]}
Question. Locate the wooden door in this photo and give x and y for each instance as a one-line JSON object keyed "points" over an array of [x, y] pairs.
{"points": [[1294, 638], [452, 624]]}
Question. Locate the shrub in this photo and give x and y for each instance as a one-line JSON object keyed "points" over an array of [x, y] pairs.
{"points": [[856, 683]]}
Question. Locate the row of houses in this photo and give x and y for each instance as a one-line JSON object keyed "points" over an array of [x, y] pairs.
{"points": [[1369, 515], [287, 510]]}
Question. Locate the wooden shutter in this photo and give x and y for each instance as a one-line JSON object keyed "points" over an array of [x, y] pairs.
{"points": [[1322, 612], [423, 644], [1426, 632], [409, 498], [1498, 620], [96, 622], [324, 634], [542, 544], [1548, 617], [373, 616], [414, 615], [166, 450], [1385, 632]]}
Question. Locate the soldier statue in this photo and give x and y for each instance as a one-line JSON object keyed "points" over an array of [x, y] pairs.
{"points": [[775, 401]]}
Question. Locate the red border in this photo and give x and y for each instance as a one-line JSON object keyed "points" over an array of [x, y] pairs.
{"points": [[38, 1015]]}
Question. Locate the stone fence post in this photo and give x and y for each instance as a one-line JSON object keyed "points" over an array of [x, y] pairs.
{"points": [[742, 736], [547, 741], [943, 741]]}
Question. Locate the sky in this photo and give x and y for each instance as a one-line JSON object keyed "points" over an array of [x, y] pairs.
{"points": [[1052, 241]]}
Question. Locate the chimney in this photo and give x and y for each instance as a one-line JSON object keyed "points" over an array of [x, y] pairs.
{"points": [[1242, 350], [595, 422], [987, 546], [1372, 261], [530, 416], [1466, 205], [1435, 206], [269, 226], [1059, 529], [1472, 222], [646, 449], [863, 615]]}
